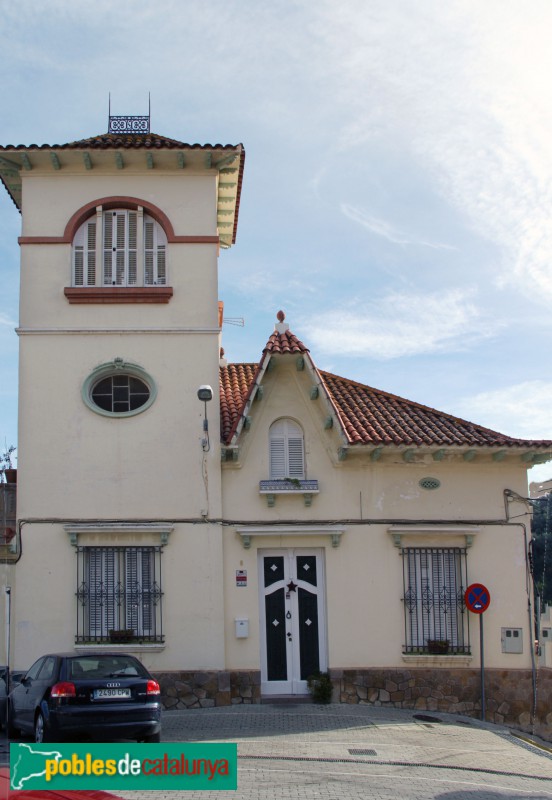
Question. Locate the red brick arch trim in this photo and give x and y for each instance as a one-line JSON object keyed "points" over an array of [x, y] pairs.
{"points": [[122, 201]]}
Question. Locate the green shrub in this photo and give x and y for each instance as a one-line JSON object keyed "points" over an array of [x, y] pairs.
{"points": [[320, 686]]}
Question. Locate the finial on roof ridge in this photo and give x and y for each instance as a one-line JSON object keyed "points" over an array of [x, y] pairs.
{"points": [[281, 326]]}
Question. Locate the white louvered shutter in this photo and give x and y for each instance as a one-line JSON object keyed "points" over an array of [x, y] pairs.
{"points": [[108, 254], [131, 590], [132, 276], [84, 255], [277, 457], [286, 450], [119, 246], [95, 582], [296, 467], [147, 588], [149, 252], [155, 253], [102, 576]]}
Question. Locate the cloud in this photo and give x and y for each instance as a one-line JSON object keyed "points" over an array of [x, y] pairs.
{"points": [[523, 410], [401, 324], [380, 227], [6, 321], [461, 87]]}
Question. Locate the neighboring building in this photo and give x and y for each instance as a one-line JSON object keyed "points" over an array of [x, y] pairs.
{"points": [[329, 526], [537, 489]]}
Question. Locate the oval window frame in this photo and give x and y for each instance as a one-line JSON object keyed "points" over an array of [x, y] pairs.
{"points": [[118, 367]]}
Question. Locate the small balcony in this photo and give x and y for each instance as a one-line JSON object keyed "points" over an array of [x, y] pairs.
{"points": [[274, 487], [8, 522]]}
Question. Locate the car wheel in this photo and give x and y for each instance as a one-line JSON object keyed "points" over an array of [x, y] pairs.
{"points": [[42, 733], [153, 739]]}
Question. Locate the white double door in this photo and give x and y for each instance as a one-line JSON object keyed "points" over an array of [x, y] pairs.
{"points": [[293, 624]]}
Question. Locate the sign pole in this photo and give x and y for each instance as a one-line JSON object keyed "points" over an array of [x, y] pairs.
{"points": [[477, 599], [482, 652]]}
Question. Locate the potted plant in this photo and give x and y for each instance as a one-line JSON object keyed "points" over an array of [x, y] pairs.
{"points": [[7, 472], [438, 646], [121, 637], [320, 686]]}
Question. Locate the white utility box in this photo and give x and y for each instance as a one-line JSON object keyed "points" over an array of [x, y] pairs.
{"points": [[242, 628]]}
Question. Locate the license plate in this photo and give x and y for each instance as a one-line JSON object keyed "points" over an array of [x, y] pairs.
{"points": [[111, 694]]}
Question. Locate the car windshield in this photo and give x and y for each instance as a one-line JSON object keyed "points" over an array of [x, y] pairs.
{"points": [[91, 667]]}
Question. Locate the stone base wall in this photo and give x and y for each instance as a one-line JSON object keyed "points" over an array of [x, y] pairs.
{"points": [[181, 690], [508, 693]]}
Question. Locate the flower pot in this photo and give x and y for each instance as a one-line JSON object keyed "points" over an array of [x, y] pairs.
{"points": [[438, 646], [11, 475], [121, 637]]}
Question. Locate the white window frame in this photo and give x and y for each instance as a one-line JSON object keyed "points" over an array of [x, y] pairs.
{"points": [[286, 450], [119, 248]]}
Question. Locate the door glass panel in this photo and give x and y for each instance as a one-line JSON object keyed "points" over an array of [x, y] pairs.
{"points": [[308, 633], [306, 569], [273, 569], [276, 636]]}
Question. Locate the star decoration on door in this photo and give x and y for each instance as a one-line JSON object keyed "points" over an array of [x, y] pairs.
{"points": [[291, 587]]}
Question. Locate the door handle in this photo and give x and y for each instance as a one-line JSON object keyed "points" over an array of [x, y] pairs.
{"points": [[289, 636]]}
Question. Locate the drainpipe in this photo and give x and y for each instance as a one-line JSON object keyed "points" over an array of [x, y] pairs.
{"points": [[7, 591]]}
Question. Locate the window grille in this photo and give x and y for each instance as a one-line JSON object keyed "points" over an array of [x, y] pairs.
{"points": [[435, 580], [119, 594]]}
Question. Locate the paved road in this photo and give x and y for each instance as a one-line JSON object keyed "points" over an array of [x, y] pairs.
{"points": [[341, 752]]}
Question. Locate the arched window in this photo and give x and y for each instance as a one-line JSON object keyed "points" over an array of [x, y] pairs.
{"points": [[287, 452], [130, 246]]}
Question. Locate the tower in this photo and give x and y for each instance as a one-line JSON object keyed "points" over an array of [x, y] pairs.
{"points": [[119, 326]]}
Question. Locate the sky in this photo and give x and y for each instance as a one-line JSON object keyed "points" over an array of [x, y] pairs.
{"points": [[397, 196]]}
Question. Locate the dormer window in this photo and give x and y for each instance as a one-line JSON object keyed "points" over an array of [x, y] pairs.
{"points": [[287, 459], [133, 249]]}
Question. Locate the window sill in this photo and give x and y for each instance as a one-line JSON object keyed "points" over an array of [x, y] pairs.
{"points": [[271, 488], [118, 294], [133, 647], [461, 659]]}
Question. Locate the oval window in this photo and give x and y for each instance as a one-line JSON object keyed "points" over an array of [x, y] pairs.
{"points": [[120, 394], [119, 389]]}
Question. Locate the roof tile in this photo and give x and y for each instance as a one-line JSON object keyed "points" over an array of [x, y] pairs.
{"points": [[284, 343], [369, 416], [115, 141], [235, 382]]}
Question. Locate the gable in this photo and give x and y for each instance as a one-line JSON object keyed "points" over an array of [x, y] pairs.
{"points": [[365, 416]]}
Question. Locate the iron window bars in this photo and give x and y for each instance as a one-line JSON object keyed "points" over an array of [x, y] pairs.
{"points": [[119, 595], [435, 579]]}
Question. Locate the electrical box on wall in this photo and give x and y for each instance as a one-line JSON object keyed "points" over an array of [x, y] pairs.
{"points": [[242, 628], [512, 640], [546, 633]]}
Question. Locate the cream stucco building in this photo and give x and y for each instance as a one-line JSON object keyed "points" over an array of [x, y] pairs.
{"points": [[294, 522]]}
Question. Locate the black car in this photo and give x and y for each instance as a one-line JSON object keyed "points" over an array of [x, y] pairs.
{"points": [[102, 696]]}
